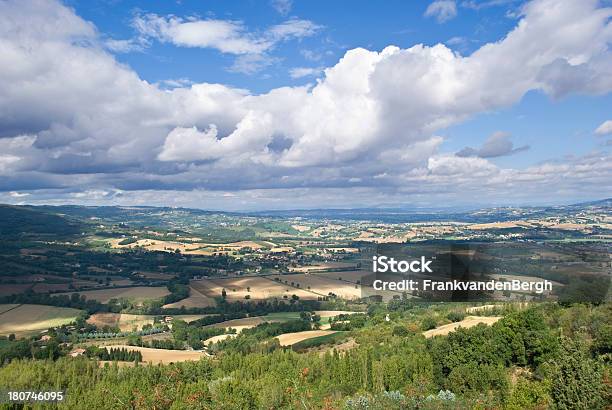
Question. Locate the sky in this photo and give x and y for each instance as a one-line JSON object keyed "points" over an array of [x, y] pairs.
{"points": [[280, 104]]}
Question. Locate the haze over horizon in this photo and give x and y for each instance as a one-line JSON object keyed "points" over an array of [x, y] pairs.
{"points": [[296, 105], [406, 209]]}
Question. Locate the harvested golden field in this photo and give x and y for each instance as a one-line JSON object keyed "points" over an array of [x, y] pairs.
{"points": [[289, 339], [153, 245], [7, 307], [190, 248], [24, 320], [138, 293], [322, 284], [126, 322], [240, 324], [468, 322], [326, 229], [195, 300], [243, 244], [390, 234], [321, 267], [219, 338], [568, 226], [256, 287], [124, 340], [500, 225], [334, 313], [282, 249], [348, 276], [101, 320], [165, 356], [383, 238]]}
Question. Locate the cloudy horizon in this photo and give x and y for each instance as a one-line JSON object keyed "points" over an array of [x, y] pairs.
{"points": [[102, 105]]}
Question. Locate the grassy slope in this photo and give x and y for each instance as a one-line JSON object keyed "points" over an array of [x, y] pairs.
{"points": [[30, 319]]}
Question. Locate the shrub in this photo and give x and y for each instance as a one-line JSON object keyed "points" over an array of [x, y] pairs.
{"points": [[400, 331], [429, 323], [577, 378], [455, 316]]}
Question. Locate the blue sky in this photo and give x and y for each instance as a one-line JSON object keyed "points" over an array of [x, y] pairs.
{"points": [[290, 104], [345, 25], [551, 128]]}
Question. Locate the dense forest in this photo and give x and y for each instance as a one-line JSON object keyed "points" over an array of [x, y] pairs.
{"points": [[545, 356]]}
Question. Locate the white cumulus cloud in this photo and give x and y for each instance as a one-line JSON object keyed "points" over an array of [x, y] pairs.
{"points": [[370, 120], [442, 10], [605, 128], [299, 72], [227, 36]]}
